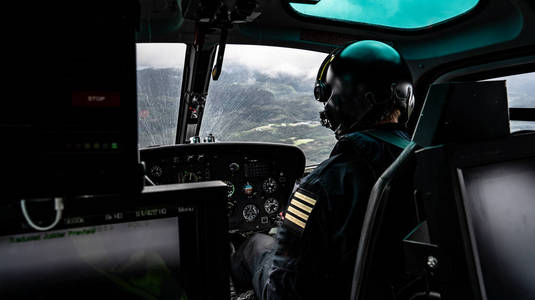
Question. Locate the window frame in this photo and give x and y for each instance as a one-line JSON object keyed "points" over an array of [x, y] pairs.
{"points": [[519, 114]]}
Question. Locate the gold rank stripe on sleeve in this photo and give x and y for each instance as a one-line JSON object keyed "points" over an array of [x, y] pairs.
{"points": [[297, 203], [299, 210], [296, 212], [305, 198], [295, 220]]}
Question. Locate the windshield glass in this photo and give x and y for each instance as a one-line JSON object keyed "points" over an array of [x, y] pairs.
{"points": [[520, 94], [403, 14], [159, 80], [265, 94]]}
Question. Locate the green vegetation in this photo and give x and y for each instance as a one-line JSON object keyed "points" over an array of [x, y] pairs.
{"points": [[251, 106], [243, 105]]}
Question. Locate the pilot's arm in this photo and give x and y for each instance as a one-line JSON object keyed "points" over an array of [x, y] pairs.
{"points": [[317, 241], [280, 268]]}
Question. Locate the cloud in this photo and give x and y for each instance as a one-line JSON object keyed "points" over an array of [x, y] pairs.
{"points": [[275, 60], [266, 59], [160, 56]]}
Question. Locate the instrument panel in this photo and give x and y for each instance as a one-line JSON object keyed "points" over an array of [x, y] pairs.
{"points": [[260, 176]]}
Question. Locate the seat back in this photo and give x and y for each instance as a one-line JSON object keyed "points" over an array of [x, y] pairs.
{"points": [[452, 113], [380, 255], [480, 212]]}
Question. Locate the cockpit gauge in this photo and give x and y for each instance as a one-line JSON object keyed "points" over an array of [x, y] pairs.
{"points": [[230, 189], [234, 167], [156, 171], [250, 212], [248, 189], [271, 205], [189, 177], [270, 185]]}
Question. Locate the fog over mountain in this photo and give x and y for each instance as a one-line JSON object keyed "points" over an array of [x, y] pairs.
{"points": [[246, 104], [241, 106], [158, 93]]}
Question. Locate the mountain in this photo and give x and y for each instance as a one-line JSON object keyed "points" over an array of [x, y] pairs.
{"points": [[158, 95], [248, 105], [243, 105]]}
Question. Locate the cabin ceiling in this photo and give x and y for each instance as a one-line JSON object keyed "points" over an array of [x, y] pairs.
{"points": [[493, 30]]}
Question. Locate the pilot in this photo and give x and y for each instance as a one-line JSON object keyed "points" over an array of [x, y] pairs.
{"points": [[366, 90]]}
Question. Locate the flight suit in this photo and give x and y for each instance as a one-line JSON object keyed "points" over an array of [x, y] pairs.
{"points": [[313, 256]]}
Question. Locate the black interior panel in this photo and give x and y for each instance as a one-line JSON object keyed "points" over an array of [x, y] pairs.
{"points": [[261, 176]]}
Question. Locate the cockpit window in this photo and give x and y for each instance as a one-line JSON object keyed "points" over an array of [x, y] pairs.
{"points": [[265, 94], [401, 14], [159, 80], [521, 94]]}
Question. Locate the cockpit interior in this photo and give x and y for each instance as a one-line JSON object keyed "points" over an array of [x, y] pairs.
{"points": [[190, 125]]}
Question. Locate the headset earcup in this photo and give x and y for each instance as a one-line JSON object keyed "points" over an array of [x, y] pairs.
{"points": [[318, 91], [322, 91], [403, 100]]}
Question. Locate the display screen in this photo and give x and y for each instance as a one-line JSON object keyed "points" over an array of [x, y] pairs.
{"points": [[134, 260], [499, 200]]}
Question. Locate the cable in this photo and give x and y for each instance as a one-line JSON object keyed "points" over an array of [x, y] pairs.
{"points": [[58, 206]]}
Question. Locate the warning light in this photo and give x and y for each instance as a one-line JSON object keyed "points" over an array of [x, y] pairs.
{"points": [[114, 146]]}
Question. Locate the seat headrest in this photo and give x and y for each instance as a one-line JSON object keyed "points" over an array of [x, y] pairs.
{"points": [[463, 112]]}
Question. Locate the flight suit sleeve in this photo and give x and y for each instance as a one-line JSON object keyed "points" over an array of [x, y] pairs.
{"points": [[297, 264]]}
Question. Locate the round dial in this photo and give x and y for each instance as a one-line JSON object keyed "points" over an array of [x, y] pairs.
{"points": [[250, 212], [230, 189], [234, 167], [270, 185], [271, 205], [156, 171], [189, 177]]}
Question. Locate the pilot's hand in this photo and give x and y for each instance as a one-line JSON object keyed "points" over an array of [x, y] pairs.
{"points": [[248, 257]]}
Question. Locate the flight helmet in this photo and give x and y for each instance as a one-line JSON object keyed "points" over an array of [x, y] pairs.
{"points": [[361, 85]]}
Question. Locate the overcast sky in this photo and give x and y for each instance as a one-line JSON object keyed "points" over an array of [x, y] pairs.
{"points": [[270, 60]]}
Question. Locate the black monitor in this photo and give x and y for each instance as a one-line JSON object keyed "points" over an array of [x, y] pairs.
{"points": [[497, 201], [70, 125], [172, 244]]}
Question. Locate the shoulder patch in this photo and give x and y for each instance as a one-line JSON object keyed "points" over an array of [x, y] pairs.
{"points": [[301, 205]]}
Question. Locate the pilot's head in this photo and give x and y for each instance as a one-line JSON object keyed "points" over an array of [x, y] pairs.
{"points": [[364, 84]]}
